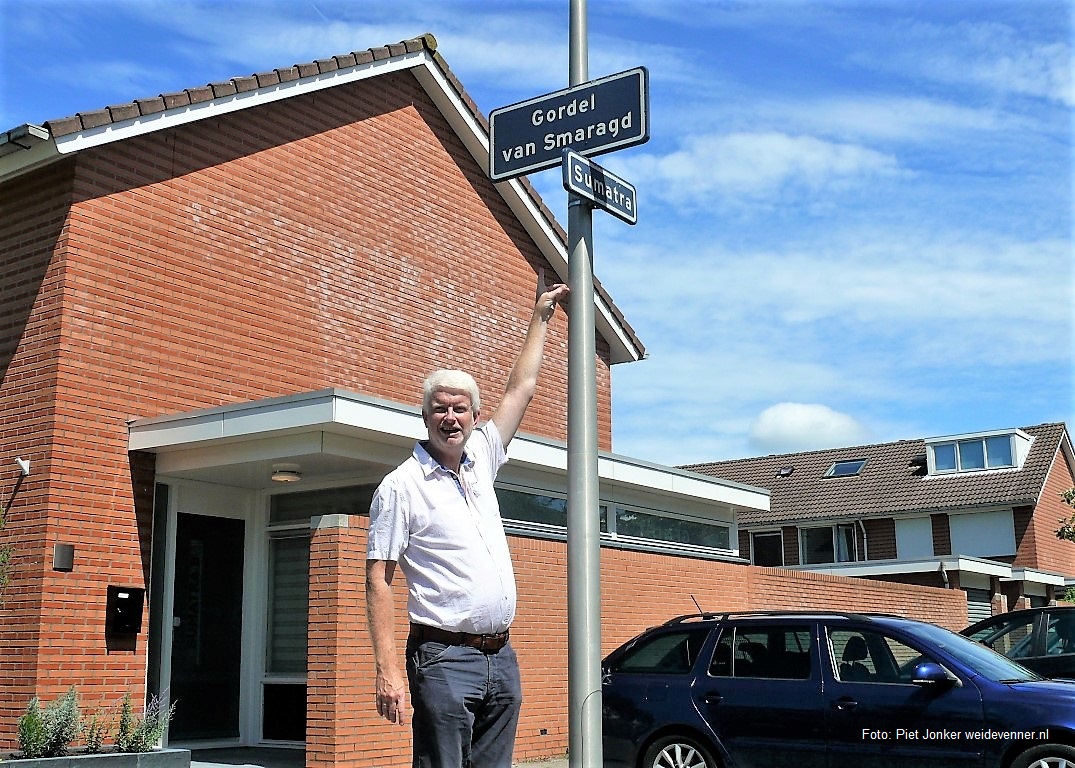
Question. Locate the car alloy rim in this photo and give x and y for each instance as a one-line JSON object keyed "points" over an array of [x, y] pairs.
{"points": [[678, 755]]}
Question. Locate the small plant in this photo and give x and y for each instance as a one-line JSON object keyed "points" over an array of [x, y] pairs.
{"points": [[49, 733], [32, 731], [94, 735], [142, 734]]}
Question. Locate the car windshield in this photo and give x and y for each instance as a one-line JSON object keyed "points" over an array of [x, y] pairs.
{"points": [[982, 660]]}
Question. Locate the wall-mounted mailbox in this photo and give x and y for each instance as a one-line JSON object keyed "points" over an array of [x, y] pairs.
{"points": [[124, 610]]}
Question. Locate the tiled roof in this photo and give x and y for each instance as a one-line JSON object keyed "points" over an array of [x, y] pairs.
{"points": [[893, 481], [191, 96]]}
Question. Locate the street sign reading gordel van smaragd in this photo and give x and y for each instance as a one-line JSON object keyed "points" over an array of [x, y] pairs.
{"points": [[592, 118]]}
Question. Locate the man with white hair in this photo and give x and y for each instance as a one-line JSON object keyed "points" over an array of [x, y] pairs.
{"points": [[436, 517]]}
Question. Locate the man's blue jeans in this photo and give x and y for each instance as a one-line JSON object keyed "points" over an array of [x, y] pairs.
{"points": [[465, 705]]}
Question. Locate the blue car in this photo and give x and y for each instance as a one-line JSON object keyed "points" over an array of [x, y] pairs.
{"points": [[826, 690]]}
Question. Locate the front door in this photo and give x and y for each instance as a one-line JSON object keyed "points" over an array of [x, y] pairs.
{"points": [[207, 628]]}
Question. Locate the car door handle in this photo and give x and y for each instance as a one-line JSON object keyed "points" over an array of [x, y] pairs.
{"points": [[712, 698], [844, 704]]}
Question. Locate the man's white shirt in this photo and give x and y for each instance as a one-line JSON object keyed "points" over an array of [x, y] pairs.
{"points": [[446, 534]]}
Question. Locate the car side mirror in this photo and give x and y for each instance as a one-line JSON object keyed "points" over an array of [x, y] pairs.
{"points": [[929, 674]]}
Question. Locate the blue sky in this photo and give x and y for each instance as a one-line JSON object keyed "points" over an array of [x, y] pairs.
{"points": [[855, 218]]}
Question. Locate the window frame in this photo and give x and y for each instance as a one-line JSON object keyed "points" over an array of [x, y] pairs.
{"points": [[837, 468], [961, 449], [834, 529]]}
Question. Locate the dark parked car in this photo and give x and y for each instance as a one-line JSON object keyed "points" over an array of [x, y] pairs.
{"points": [[1041, 639], [826, 689]]}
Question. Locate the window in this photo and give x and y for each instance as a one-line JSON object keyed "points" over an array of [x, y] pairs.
{"points": [[848, 468], [289, 596], [1012, 637], [649, 525], [830, 544], [764, 652], [533, 507], [914, 538], [864, 656], [974, 453], [666, 653], [767, 548], [983, 534]]}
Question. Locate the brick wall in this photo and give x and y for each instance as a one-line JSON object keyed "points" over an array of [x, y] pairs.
{"points": [[340, 239], [1039, 547], [638, 590]]}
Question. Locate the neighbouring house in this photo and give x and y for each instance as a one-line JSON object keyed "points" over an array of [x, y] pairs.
{"points": [[216, 310], [978, 512]]}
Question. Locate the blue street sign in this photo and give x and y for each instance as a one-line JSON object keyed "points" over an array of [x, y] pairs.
{"points": [[591, 118], [606, 190]]}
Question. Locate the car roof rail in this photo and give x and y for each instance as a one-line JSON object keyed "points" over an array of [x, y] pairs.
{"points": [[774, 614]]}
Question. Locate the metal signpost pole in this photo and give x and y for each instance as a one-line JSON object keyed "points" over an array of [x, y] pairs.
{"points": [[583, 522]]}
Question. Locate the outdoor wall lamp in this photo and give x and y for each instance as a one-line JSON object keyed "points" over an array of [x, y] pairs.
{"points": [[286, 473]]}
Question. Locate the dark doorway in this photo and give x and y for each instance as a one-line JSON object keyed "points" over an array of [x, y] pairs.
{"points": [[207, 627]]}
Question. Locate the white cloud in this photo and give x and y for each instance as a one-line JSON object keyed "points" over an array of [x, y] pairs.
{"points": [[755, 165], [793, 427]]}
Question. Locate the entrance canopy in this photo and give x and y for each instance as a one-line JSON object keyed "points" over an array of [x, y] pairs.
{"points": [[334, 435]]}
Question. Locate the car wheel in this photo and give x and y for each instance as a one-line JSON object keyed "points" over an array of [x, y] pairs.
{"points": [[1044, 756], [679, 752]]}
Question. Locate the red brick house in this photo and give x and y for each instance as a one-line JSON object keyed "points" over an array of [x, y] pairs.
{"points": [[976, 511], [209, 295]]}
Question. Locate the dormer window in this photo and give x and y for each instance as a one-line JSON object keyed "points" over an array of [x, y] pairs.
{"points": [[847, 468], [977, 452]]}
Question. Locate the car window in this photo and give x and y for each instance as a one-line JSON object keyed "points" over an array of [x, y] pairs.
{"points": [[866, 656], [1060, 637], [769, 652], [665, 653], [1013, 637]]}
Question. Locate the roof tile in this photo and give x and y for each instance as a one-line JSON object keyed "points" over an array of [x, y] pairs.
{"points": [[223, 89], [177, 99], [95, 118], [244, 84], [287, 74], [200, 94], [122, 112], [151, 106]]}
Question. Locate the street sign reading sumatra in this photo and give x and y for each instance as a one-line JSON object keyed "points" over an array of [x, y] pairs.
{"points": [[592, 118], [603, 188]]}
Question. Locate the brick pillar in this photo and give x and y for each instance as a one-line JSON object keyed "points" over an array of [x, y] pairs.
{"points": [[343, 729]]}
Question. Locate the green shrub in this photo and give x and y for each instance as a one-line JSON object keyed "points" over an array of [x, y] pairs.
{"points": [[94, 735], [142, 734], [32, 731], [49, 733]]}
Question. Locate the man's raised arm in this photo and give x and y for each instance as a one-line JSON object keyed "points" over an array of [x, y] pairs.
{"points": [[522, 382]]}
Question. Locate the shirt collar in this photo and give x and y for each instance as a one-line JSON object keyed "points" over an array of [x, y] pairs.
{"points": [[430, 466]]}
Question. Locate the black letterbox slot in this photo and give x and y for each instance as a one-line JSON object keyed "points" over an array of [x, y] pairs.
{"points": [[123, 614]]}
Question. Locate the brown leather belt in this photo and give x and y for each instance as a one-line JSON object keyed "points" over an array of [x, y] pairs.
{"points": [[422, 633]]}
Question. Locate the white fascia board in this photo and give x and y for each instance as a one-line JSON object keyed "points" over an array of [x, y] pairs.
{"points": [[1036, 576], [222, 105], [896, 567], [476, 140]]}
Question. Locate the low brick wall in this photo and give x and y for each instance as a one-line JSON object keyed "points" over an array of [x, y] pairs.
{"points": [[638, 590]]}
